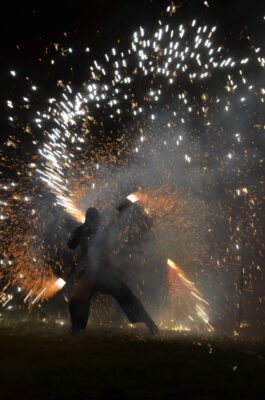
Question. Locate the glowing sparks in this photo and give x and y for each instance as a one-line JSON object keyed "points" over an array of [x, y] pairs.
{"points": [[173, 99], [197, 302]]}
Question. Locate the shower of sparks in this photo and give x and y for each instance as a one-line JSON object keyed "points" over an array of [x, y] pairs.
{"points": [[191, 296], [173, 100], [175, 220]]}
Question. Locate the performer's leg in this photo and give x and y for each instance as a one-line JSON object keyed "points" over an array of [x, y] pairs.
{"points": [[79, 303], [131, 305], [79, 314]]}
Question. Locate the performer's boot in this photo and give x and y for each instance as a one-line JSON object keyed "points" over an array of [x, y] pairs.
{"points": [[79, 313], [131, 305], [153, 328]]}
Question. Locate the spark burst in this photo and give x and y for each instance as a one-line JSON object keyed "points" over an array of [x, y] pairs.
{"points": [[176, 87], [181, 289]]}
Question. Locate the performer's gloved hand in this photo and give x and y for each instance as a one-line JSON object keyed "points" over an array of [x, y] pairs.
{"points": [[124, 205]]}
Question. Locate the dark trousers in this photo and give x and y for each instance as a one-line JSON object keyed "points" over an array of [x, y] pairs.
{"points": [[109, 282]]}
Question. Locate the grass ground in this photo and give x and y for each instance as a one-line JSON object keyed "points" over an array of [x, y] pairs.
{"points": [[51, 364]]}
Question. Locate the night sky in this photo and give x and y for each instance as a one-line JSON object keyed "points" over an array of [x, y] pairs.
{"points": [[32, 26]]}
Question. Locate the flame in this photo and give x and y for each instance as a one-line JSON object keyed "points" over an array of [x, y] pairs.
{"points": [[133, 197], [60, 283]]}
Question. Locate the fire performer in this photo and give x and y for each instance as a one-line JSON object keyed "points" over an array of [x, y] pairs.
{"points": [[97, 274]]}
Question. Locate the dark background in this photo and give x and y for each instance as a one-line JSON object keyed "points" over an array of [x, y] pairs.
{"points": [[32, 25], [28, 28]]}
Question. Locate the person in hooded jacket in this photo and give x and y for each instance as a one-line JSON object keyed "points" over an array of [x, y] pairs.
{"points": [[95, 273]]}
